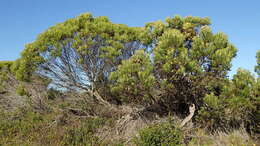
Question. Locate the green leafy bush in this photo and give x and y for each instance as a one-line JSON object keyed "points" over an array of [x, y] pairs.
{"points": [[5, 69], [20, 90], [161, 134], [84, 134], [6, 65], [22, 124], [236, 105], [133, 80], [188, 57]]}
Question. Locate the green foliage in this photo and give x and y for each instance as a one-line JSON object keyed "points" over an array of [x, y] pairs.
{"points": [[26, 127], [5, 70], [236, 105], [188, 57], [162, 134], [83, 134], [212, 115], [172, 64], [79, 53], [133, 80], [23, 124], [182, 56], [6, 65], [20, 90], [24, 67]]}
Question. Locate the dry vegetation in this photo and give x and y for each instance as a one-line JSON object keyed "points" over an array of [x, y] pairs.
{"points": [[88, 81]]}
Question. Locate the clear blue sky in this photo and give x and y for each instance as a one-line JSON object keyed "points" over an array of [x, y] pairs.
{"points": [[22, 20]]}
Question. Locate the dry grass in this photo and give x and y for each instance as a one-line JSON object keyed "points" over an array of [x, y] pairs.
{"points": [[234, 138]]}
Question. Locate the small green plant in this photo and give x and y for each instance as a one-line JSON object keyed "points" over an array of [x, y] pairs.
{"points": [[134, 81], [235, 106], [162, 134], [20, 90], [19, 125], [84, 134]]}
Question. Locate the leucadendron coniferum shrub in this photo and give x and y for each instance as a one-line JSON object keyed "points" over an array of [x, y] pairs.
{"points": [[78, 54], [133, 81], [183, 57], [235, 107], [188, 59]]}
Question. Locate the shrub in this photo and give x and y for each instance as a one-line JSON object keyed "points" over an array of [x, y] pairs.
{"points": [[188, 57], [160, 134], [5, 68], [232, 138], [19, 125], [20, 90], [83, 134], [6, 65], [212, 115], [236, 105], [133, 80]]}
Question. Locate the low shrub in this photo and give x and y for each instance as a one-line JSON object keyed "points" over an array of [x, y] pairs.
{"points": [[161, 134], [15, 127], [20, 90], [84, 134], [233, 138], [235, 107]]}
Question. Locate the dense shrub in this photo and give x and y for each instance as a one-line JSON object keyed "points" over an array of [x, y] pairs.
{"points": [[83, 134], [161, 134], [78, 54], [174, 64], [188, 57], [6, 65], [18, 125], [5, 69], [20, 90], [133, 80], [182, 57], [236, 106]]}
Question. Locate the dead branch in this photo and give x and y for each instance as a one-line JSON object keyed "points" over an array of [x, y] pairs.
{"points": [[189, 117]]}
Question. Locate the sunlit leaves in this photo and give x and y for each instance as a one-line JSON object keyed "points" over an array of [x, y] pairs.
{"points": [[133, 81]]}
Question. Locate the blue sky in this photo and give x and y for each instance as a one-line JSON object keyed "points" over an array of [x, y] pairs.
{"points": [[22, 20]]}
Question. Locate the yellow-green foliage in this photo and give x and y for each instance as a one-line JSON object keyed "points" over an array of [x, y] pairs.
{"points": [[133, 80], [86, 38], [6, 65], [161, 134], [25, 127], [20, 90], [83, 134], [5, 69], [173, 64], [236, 105], [187, 58], [14, 128]]}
